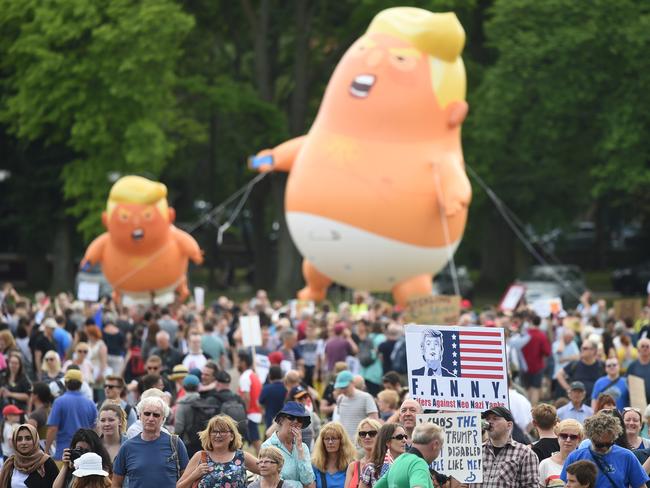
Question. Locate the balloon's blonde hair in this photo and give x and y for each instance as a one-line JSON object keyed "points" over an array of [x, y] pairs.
{"points": [[139, 190], [439, 35]]}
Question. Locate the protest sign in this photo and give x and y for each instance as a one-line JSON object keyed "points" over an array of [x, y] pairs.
{"points": [[88, 291], [461, 455], [513, 296], [459, 368], [251, 333], [199, 297], [636, 385], [438, 309], [262, 366], [628, 308], [546, 307]]}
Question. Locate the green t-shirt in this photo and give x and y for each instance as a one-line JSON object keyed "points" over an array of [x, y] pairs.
{"points": [[408, 470]]}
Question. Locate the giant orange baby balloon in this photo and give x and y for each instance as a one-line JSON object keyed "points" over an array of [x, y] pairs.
{"points": [[377, 194], [143, 255]]}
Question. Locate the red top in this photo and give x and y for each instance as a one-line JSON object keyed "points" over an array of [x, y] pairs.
{"points": [[536, 350]]}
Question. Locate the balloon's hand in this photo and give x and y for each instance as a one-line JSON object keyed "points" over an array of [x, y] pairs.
{"points": [[262, 162]]}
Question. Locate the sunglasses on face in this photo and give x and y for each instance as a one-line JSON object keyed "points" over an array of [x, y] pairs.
{"points": [[400, 437], [149, 414], [570, 437], [603, 445], [369, 433], [110, 387]]}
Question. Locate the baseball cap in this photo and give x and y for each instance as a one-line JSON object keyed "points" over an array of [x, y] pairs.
{"points": [[191, 380], [297, 392], [577, 385], [340, 327], [222, 377], [343, 379], [73, 374], [12, 410], [276, 357], [502, 412], [50, 323]]}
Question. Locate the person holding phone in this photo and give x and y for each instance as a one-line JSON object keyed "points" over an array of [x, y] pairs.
{"points": [[288, 439]]}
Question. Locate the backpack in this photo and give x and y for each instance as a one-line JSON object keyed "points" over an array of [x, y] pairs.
{"points": [[235, 409], [366, 356], [202, 411], [398, 356], [136, 362]]}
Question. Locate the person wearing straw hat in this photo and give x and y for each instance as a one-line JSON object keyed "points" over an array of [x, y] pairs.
{"points": [[89, 472], [29, 465], [178, 374]]}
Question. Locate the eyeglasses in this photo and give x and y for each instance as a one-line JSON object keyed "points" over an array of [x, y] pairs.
{"points": [[369, 433], [110, 387], [628, 409], [220, 432], [570, 437], [603, 445], [331, 439], [400, 437], [149, 414], [266, 461]]}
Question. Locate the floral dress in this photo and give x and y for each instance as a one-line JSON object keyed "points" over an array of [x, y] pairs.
{"points": [[226, 475]]}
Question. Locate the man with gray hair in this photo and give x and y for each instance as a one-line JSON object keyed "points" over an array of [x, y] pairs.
{"points": [[411, 469], [587, 369], [169, 355], [152, 458]]}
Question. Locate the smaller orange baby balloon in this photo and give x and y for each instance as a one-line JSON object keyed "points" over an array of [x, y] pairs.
{"points": [[142, 255]]}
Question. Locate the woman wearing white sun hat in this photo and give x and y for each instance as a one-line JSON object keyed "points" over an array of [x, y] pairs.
{"points": [[89, 472]]}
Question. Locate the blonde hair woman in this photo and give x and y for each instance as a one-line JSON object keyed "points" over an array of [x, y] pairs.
{"points": [[270, 463], [51, 372], [222, 462], [569, 434], [333, 452], [367, 431]]}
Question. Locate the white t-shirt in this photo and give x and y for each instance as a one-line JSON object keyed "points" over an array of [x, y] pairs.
{"points": [[18, 479], [520, 408], [549, 474], [7, 433], [192, 361]]}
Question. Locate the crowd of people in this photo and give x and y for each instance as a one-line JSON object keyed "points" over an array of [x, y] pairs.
{"points": [[108, 395]]}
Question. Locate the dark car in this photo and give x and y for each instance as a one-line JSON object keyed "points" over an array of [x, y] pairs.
{"points": [[445, 283], [633, 280], [568, 278]]}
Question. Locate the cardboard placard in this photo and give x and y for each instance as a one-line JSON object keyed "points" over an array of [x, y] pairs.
{"points": [[547, 306], [435, 309], [512, 297], [262, 366], [461, 455], [251, 332], [88, 291], [628, 308], [199, 297], [457, 368], [636, 385]]}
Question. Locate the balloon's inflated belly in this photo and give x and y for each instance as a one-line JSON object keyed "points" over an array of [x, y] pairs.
{"points": [[361, 259]]}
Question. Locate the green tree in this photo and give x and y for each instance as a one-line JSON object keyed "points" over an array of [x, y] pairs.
{"points": [[98, 77], [554, 123]]}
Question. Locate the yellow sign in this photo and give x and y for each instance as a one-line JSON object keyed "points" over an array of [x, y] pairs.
{"points": [[438, 310]]}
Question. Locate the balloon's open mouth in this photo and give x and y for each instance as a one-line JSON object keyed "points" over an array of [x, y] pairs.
{"points": [[361, 85], [137, 235]]}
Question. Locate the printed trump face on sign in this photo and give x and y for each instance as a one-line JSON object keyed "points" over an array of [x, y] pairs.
{"points": [[432, 346]]}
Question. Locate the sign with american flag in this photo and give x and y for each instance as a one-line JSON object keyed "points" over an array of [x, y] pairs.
{"points": [[457, 368]]}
